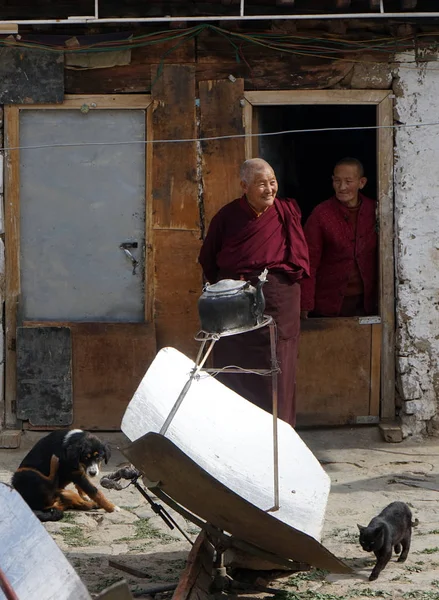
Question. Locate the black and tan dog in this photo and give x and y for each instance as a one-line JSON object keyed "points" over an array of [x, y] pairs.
{"points": [[62, 457]]}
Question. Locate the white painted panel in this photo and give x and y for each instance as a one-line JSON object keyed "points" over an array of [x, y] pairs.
{"points": [[232, 440], [78, 203]]}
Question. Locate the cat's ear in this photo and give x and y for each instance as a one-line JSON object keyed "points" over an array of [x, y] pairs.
{"points": [[360, 527]]}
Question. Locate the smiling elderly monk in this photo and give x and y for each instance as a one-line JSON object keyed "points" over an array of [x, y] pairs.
{"points": [[255, 232]]}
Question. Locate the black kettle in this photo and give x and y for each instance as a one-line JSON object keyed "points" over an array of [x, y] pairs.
{"points": [[232, 306]]}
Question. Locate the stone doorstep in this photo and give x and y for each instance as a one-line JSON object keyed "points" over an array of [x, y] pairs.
{"points": [[10, 438], [391, 432]]}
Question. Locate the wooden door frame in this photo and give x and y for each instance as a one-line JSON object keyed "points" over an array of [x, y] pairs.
{"points": [[12, 219], [382, 99]]}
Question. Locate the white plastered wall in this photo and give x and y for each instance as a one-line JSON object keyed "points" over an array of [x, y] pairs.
{"points": [[417, 241]]}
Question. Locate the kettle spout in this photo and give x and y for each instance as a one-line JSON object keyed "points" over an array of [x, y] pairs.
{"points": [[260, 299]]}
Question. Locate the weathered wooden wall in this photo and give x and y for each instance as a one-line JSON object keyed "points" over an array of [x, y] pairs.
{"points": [[190, 183], [214, 58], [197, 90]]}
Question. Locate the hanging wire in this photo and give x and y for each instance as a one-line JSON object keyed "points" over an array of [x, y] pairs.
{"points": [[223, 137], [329, 47]]}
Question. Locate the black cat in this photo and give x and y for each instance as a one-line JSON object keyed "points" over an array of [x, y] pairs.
{"points": [[392, 528]]}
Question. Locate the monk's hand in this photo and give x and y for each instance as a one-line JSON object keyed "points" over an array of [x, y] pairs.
{"points": [[303, 314]]}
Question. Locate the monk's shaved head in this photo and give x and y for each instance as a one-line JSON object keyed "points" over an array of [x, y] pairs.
{"points": [[251, 167], [352, 162]]}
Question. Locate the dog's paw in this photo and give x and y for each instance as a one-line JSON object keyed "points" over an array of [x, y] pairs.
{"points": [[112, 508]]}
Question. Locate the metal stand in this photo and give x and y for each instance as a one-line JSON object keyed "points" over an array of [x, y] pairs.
{"points": [[204, 337]]}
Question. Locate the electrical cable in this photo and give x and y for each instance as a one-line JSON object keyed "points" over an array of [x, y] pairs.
{"points": [[224, 137]]}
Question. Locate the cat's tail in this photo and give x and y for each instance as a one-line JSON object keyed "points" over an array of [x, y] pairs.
{"points": [[415, 523]]}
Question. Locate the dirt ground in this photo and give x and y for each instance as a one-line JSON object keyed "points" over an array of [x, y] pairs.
{"points": [[366, 474]]}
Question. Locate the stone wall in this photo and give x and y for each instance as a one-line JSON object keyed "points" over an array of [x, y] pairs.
{"points": [[416, 88]]}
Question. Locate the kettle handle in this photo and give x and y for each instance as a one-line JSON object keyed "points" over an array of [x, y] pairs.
{"points": [[263, 276]]}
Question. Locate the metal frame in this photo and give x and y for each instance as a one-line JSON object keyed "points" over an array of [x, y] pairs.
{"points": [[202, 356], [381, 14]]}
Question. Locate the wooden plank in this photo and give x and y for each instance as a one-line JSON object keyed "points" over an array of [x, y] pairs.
{"points": [[174, 165], [333, 373], [97, 101], [386, 254], [30, 76], [221, 114], [109, 361], [279, 73], [132, 78], [375, 369], [44, 376], [149, 229], [250, 129], [286, 97], [178, 286], [12, 260], [196, 578]]}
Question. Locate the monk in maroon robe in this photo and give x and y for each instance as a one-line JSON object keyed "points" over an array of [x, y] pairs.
{"points": [[255, 232], [342, 241]]}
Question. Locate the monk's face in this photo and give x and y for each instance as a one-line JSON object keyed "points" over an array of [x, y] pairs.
{"points": [[347, 182], [261, 189]]}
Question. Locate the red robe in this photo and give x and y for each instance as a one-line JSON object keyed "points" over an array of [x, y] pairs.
{"points": [[335, 251], [241, 244]]}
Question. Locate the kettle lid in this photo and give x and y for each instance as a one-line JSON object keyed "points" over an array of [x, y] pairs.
{"points": [[226, 286]]}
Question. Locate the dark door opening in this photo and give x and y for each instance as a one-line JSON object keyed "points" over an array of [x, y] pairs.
{"points": [[338, 375], [304, 161]]}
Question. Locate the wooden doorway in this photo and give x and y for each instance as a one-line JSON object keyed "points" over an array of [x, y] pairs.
{"points": [[346, 366], [78, 302]]}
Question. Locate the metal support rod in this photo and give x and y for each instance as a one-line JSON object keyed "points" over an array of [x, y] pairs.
{"points": [[187, 385], [162, 512], [7, 588], [274, 369]]}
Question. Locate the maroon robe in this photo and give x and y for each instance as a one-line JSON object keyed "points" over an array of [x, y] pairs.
{"points": [[336, 249], [240, 245]]}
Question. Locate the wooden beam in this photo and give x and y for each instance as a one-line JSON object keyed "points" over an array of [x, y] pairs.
{"points": [[285, 97], [174, 164], [95, 101], [178, 285], [375, 369], [386, 253], [221, 114], [12, 262]]}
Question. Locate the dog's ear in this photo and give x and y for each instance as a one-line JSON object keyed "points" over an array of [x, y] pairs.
{"points": [[107, 453], [72, 452]]}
